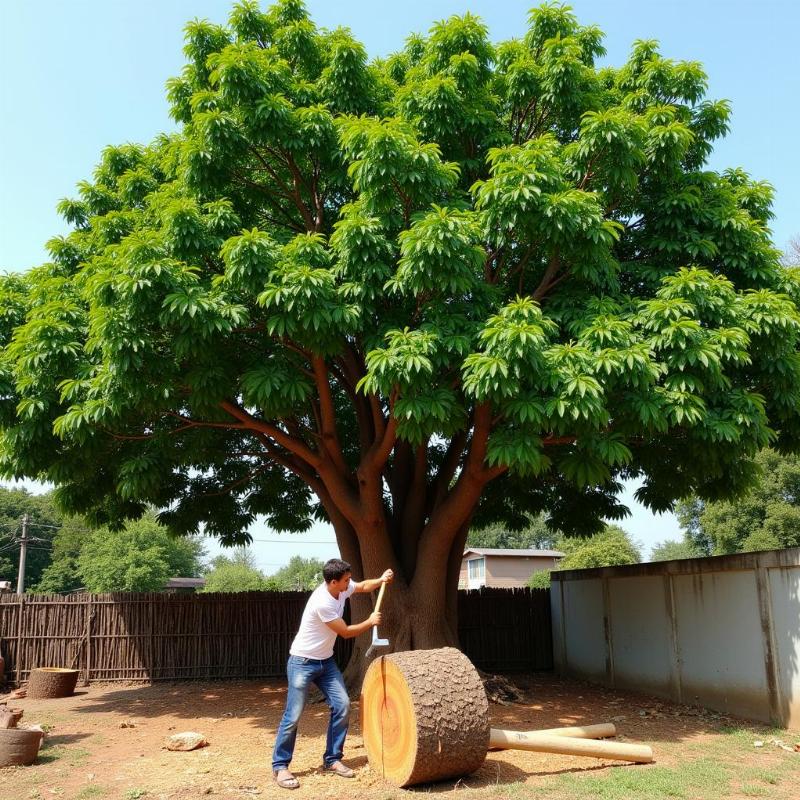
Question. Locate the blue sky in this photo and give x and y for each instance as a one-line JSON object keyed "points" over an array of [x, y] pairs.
{"points": [[82, 74]]}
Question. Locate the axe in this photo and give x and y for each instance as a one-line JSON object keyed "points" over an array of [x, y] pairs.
{"points": [[376, 642]]}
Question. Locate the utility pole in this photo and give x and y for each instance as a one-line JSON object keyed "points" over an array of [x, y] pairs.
{"points": [[23, 552]]}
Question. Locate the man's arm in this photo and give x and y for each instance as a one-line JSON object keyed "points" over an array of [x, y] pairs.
{"points": [[371, 584], [341, 628]]}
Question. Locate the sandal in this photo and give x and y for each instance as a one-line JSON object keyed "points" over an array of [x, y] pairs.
{"points": [[340, 769], [288, 781]]}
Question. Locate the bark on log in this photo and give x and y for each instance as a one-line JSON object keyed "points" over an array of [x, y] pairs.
{"points": [[424, 716], [571, 746]]}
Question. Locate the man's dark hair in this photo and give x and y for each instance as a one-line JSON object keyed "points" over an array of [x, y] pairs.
{"points": [[335, 569]]}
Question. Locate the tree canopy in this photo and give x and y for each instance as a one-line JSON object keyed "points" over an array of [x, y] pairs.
{"points": [[535, 534], [766, 517], [610, 547], [671, 549], [463, 284]]}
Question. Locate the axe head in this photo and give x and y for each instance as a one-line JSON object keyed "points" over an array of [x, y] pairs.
{"points": [[376, 642]]}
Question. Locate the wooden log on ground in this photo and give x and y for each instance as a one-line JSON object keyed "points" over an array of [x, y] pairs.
{"points": [[424, 716], [602, 730], [569, 745]]}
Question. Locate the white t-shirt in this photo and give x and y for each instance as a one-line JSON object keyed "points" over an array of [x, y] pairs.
{"points": [[315, 639]]}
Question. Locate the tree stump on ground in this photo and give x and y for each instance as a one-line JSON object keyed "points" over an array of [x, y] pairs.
{"points": [[50, 682], [424, 716]]}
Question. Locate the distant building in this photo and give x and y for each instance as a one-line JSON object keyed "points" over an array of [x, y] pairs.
{"points": [[184, 585], [505, 569]]}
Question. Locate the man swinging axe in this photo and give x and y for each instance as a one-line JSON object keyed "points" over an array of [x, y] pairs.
{"points": [[311, 661]]}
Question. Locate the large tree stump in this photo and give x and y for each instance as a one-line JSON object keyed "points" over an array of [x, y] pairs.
{"points": [[424, 716]]}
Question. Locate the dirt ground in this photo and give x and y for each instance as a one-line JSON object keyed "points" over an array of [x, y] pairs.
{"points": [[107, 742]]}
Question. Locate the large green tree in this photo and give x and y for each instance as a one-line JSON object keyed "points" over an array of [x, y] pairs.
{"points": [[765, 517], [462, 284], [141, 557]]}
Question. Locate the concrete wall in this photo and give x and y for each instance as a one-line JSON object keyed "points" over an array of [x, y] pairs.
{"points": [[722, 632]]}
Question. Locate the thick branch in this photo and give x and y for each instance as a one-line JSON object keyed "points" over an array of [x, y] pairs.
{"points": [[330, 437], [548, 279], [298, 181], [459, 503], [292, 444], [447, 471], [413, 512], [348, 381]]}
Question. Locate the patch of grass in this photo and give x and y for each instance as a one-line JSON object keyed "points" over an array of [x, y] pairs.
{"points": [[74, 756], [703, 778], [755, 790], [512, 791], [770, 776], [747, 734], [135, 794], [90, 791]]}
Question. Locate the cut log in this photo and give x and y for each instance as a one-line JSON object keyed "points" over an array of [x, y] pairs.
{"points": [[569, 745], [600, 731], [424, 716]]}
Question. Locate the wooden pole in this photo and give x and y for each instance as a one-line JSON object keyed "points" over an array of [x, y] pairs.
{"points": [[569, 745], [19, 639], [23, 552], [89, 615], [602, 730]]}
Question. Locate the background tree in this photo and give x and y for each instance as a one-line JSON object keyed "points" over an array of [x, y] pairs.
{"points": [[764, 518], [670, 549], [464, 284], [608, 548], [62, 573], [141, 557], [45, 520], [534, 535], [300, 574], [237, 573]]}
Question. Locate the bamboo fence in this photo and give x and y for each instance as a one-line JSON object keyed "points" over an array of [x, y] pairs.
{"points": [[159, 636]]}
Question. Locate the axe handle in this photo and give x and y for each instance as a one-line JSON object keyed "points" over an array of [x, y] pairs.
{"points": [[380, 597]]}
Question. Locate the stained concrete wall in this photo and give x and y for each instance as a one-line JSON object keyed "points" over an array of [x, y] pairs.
{"points": [[722, 632]]}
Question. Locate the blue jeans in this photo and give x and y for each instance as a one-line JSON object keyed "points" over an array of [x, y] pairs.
{"points": [[302, 672]]}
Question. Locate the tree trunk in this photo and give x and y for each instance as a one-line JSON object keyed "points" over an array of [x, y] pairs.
{"points": [[415, 617]]}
